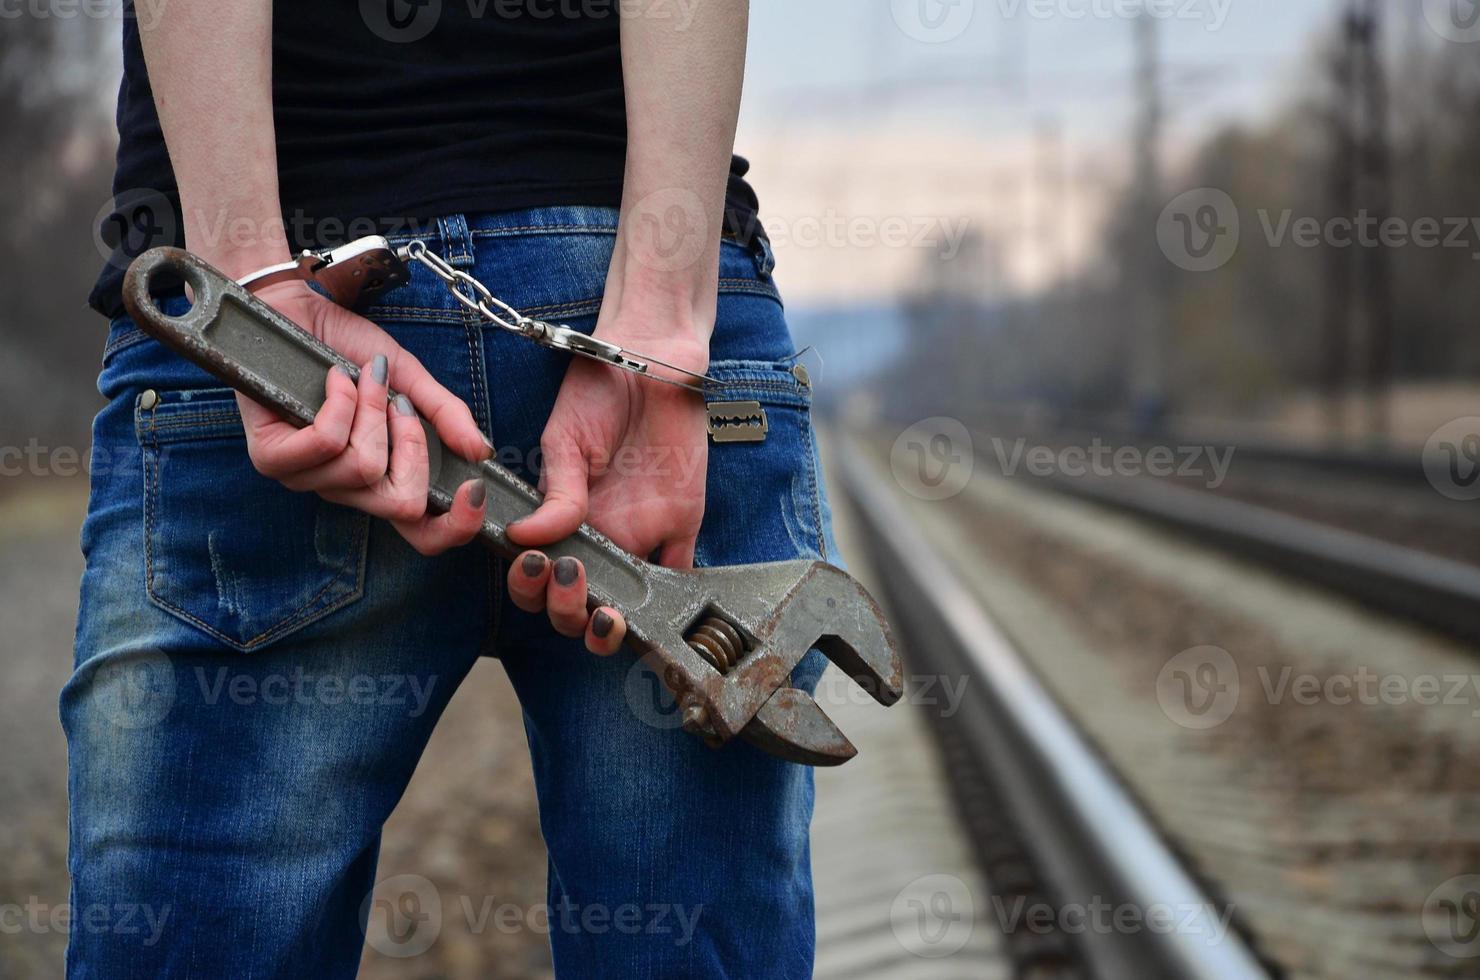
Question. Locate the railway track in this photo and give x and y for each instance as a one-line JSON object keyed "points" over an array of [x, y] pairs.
{"points": [[1365, 524], [1078, 871], [1339, 823]]}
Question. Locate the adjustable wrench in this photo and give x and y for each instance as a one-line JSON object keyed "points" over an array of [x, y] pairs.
{"points": [[723, 640]]}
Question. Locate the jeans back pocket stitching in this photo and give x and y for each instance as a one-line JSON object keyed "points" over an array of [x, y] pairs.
{"points": [[298, 617]]}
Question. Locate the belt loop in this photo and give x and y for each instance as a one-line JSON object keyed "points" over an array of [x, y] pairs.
{"points": [[765, 259], [457, 241]]}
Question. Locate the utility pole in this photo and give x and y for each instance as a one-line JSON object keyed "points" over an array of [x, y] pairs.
{"points": [[1052, 194], [1360, 184], [1150, 342], [1342, 202], [1375, 193]]}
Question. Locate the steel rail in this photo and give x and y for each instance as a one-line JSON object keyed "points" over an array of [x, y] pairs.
{"points": [[1091, 840], [1426, 588]]}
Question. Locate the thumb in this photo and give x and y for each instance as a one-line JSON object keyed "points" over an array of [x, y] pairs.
{"points": [[565, 475]]}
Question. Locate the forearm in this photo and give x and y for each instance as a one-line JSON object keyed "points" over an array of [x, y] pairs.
{"points": [[683, 82], [210, 66]]}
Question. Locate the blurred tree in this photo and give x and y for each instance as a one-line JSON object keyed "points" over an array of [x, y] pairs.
{"points": [[1250, 334], [56, 143]]}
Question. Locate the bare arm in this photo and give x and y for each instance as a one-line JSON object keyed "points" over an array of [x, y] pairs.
{"points": [[683, 81], [210, 66]]}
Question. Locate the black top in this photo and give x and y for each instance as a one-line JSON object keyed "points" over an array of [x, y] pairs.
{"points": [[391, 112]]}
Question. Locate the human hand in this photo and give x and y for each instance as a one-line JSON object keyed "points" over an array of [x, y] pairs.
{"points": [[364, 450], [628, 456]]}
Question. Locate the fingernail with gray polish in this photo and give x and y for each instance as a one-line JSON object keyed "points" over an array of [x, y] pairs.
{"points": [[566, 570], [478, 494], [601, 623], [533, 564], [403, 406], [378, 369]]}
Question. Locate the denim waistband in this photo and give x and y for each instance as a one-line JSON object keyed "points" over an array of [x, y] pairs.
{"points": [[455, 233]]}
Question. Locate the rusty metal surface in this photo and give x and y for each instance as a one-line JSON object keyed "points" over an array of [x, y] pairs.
{"points": [[778, 611]]}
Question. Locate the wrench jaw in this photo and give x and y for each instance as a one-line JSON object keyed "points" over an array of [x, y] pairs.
{"points": [[780, 611], [793, 726]]}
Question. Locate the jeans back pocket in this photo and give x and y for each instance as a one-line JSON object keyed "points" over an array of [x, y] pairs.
{"points": [[234, 554]]}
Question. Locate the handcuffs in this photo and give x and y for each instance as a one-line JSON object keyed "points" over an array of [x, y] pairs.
{"points": [[369, 266]]}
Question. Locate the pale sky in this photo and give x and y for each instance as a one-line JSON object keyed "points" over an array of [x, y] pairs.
{"points": [[916, 117]]}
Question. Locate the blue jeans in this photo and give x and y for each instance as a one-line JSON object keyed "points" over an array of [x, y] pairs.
{"points": [[257, 671]]}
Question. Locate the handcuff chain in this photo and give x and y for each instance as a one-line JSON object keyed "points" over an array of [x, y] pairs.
{"points": [[417, 251], [556, 336]]}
